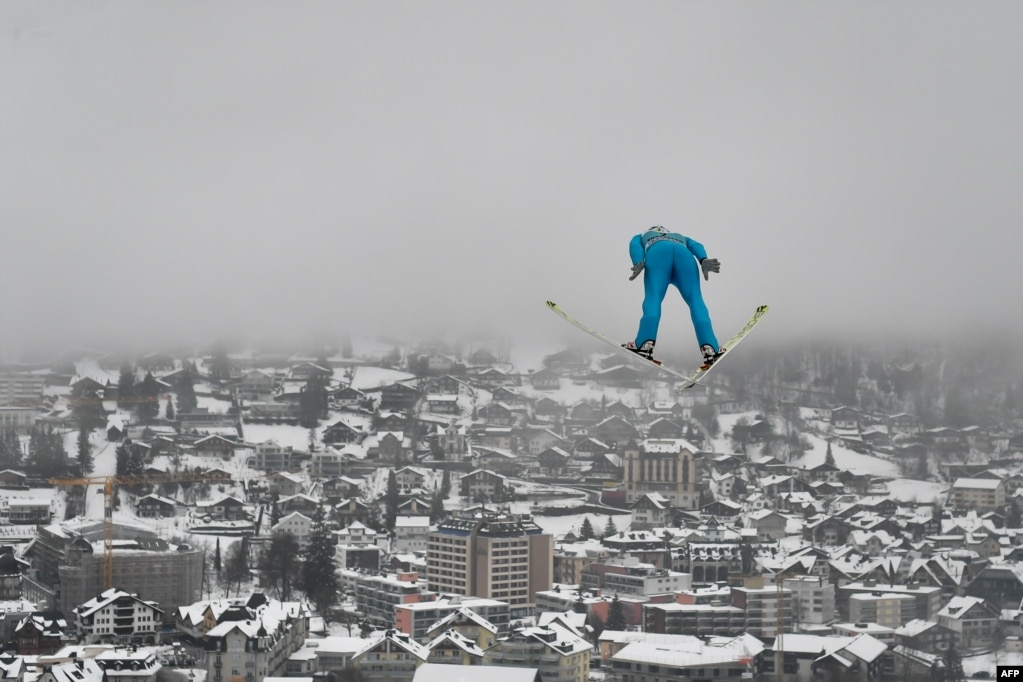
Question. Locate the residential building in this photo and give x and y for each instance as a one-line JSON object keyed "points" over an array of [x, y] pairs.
{"points": [[717, 660], [560, 655], [971, 620], [813, 600], [258, 645], [411, 533], [378, 595], [392, 658], [488, 554], [417, 618], [891, 610], [979, 494], [117, 617], [272, 456], [665, 466]]}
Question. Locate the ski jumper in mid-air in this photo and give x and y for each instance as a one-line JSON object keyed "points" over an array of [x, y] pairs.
{"points": [[671, 258]]}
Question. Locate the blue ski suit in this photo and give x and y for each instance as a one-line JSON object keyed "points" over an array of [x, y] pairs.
{"points": [[670, 258]]}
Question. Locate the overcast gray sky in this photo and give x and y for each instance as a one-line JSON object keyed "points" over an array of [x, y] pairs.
{"points": [[184, 168]]}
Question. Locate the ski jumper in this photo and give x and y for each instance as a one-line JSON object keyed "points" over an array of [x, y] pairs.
{"points": [[670, 258]]}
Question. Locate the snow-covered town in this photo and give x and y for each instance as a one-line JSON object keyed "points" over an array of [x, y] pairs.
{"points": [[376, 511]]}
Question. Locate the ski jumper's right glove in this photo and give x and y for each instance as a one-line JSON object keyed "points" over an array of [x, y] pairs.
{"points": [[636, 269], [709, 265]]}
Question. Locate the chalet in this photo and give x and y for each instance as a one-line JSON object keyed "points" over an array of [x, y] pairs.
{"points": [[41, 634], [304, 371], [226, 508], [256, 385], [493, 377], [351, 510], [546, 409], [904, 424], [389, 446], [972, 620], [272, 456], [296, 524], [615, 429], [945, 439], [116, 616], [845, 418], [500, 414], [482, 485], [452, 440], [341, 432], [9, 478], [651, 510], [554, 461], [824, 472], [155, 506], [876, 437], [585, 412], [826, 531], [285, 483], [502, 437], [450, 385], [609, 465], [726, 510], [215, 446], [538, 440], [436, 364], [414, 506], [590, 448], [665, 428], [115, 429], [347, 397], [497, 459], [545, 380], [300, 502], [401, 395], [510, 396], [390, 421], [770, 525], [329, 462], [410, 478], [341, 487], [439, 403]]}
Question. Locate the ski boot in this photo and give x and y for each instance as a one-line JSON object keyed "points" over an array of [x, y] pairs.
{"points": [[710, 355], [645, 350]]}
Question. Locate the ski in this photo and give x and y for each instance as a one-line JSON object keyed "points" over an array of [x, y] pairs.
{"points": [[694, 379], [656, 364]]}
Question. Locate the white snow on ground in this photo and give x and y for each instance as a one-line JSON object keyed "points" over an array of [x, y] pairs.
{"points": [[990, 661], [845, 459], [558, 526], [369, 378], [287, 435], [913, 490]]}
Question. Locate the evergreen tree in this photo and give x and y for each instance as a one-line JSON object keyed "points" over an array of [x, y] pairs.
{"points": [[216, 558], [236, 567], [220, 364], [586, 532], [126, 386], [437, 512], [319, 576], [391, 499], [1013, 518], [121, 456], [953, 665], [312, 402], [136, 463], [445, 484], [10, 449], [279, 562], [610, 529], [148, 398], [615, 615], [85, 462], [187, 402], [170, 409], [829, 457]]}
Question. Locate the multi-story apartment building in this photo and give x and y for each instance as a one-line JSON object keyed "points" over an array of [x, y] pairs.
{"points": [[411, 533], [417, 619], [128, 664], [889, 609], [979, 494], [560, 655], [722, 620], [813, 600], [768, 610], [487, 554], [257, 647], [272, 456], [628, 576], [70, 557], [19, 419], [571, 558], [652, 661], [378, 595], [21, 388], [117, 617], [663, 465], [927, 599]]}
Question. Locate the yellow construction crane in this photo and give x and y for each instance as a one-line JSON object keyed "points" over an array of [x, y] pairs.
{"points": [[108, 483]]}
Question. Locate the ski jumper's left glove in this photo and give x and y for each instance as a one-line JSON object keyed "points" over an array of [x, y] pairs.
{"points": [[709, 265]]}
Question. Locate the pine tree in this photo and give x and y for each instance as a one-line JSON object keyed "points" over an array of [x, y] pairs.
{"points": [[615, 615], [391, 499], [953, 662], [121, 456], [437, 512], [85, 462], [312, 402], [126, 386], [170, 409], [445, 484], [829, 457], [148, 398], [319, 576], [187, 402], [586, 531], [278, 563], [216, 558], [610, 529], [236, 567]]}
